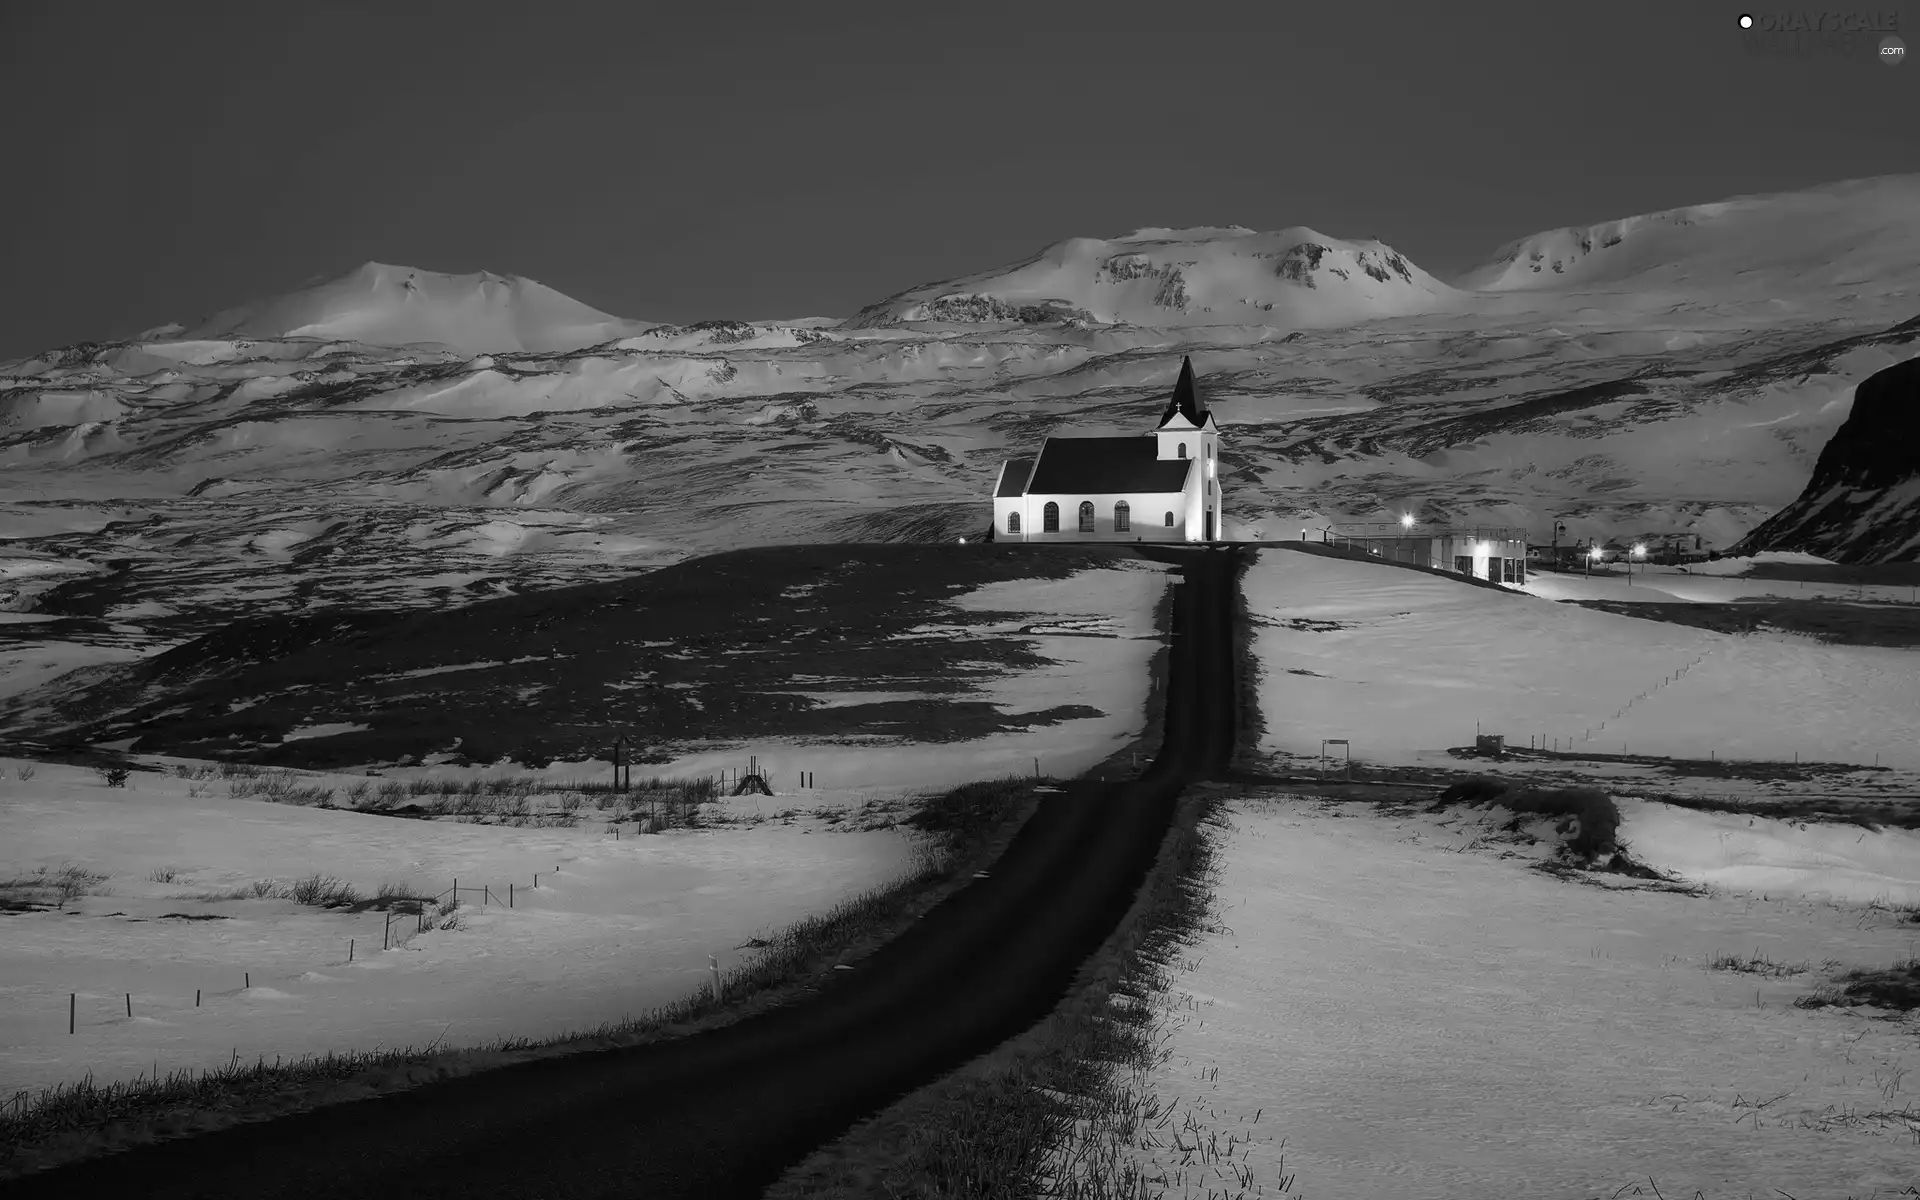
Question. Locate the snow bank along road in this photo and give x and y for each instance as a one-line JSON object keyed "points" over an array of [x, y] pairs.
{"points": [[723, 1113]]}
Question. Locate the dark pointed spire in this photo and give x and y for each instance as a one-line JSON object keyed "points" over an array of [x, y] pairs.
{"points": [[1186, 400]]}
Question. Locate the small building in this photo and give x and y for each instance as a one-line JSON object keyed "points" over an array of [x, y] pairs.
{"points": [[1495, 553], [1158, 487]]}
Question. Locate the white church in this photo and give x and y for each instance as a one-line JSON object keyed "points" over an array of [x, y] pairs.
{"points": [[1159, 487]]}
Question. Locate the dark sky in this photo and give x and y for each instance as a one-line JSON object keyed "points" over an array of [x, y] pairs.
{"points": [[163, 160]]}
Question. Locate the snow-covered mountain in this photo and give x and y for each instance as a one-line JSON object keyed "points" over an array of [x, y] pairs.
{"points": [[398, 437], [1293, 279], [385, 305], [1856, 234]]}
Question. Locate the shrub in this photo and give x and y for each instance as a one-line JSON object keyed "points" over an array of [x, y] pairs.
{"points": [[24, 772], [163, 875], [1896, 988], [71, 882], [322, 891], [1759, 964], [1593, 809], [114, 776], [392, 791], [359, 790], [1474, 790]]}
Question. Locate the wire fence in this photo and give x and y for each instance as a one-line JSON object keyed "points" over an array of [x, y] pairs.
{"points": [[427, 912]]}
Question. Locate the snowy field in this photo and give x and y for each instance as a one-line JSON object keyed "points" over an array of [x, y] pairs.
{"points": [[1418, 1022], [615, 927], [1717, 582], [1406, 664]]}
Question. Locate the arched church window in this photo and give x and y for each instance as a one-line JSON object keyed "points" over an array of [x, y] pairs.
{"points": [[1013, 522], [1183, 449], [1086, 516], [1050, 518], [1122, 516]]}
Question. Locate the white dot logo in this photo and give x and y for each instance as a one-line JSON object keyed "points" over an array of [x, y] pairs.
{"points": [[1746, 21], [1893, 51]]}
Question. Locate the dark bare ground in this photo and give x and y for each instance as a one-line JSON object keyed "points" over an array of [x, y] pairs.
{"points": [[708, 649], [1836, 622], [1896, 574]]}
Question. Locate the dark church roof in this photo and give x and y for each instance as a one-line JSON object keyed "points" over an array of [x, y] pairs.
{"points": [[1185, 402], [1013, 480], [1100, 465]]}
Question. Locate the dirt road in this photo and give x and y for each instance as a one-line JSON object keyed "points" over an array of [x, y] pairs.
{"points": [[724, 1113]]}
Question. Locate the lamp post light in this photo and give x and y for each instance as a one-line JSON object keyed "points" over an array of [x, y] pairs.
{"points": [[1639, 551], [1593, 556], [1558, 529]]}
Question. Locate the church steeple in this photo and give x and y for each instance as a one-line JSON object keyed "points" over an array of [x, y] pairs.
{"points": [[1186, 400]]}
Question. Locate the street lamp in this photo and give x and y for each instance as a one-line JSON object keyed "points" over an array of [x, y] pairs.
{"points": [[1406, 520], [1593, 556], [1639, 551]]}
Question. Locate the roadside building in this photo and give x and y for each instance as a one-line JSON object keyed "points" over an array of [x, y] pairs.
{"points": [[1495, 553]]}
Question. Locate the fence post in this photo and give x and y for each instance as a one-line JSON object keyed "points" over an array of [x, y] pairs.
{"points": [[509, 895], [196, 997], [453, 897], [129, 1006], [247, 976], [71, 1003], [349, 949]]}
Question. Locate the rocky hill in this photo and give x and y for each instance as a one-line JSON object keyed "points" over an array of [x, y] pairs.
{"points": [[1863, 503]]}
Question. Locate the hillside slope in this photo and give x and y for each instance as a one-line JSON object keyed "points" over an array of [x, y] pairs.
{"points": [[1292, 278], [1855, 234], [1863, 503], [384, 305]]}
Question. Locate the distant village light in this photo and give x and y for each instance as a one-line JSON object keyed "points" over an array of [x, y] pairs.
{"points": [[1406, 519]]}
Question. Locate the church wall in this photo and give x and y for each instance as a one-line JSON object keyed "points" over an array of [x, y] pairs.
{"points": [[1147, 517]]}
